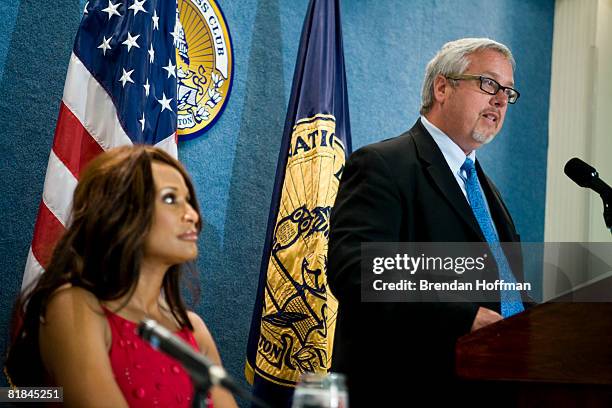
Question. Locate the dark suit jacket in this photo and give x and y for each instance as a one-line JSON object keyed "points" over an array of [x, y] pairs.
{"points": [[401, 190]]}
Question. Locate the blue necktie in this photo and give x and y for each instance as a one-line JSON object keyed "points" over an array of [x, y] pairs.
{"points": [[510, 299]]}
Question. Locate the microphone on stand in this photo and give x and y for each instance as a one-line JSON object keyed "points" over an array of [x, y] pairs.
{"points": [[203, 371], [586, 176]]}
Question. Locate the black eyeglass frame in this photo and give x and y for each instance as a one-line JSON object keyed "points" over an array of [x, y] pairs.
{"points": [[497, 84]]}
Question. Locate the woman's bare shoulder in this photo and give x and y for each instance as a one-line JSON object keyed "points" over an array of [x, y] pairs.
{"points": [[74, 311], [220, 397], [202, 335], [74, 341], [73, 301]]}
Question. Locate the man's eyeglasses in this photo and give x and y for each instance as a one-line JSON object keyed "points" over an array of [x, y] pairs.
{"points": [[490, 86]]}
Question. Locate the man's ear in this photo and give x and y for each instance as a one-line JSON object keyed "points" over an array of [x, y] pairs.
{"points": [[441, 88]]}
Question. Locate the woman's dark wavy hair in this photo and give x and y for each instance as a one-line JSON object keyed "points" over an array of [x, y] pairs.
{"points": [[101, 251]]}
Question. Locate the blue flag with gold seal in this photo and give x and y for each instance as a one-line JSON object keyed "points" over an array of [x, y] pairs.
{"points": [[294, 315]]}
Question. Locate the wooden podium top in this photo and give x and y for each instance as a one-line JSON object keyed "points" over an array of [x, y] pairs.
{"points": [[553, 343]]}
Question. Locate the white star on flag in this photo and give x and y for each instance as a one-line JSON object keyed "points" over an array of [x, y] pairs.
{"points": [[105, 45], [165, 103], [155, 20], [126, 77], [142, 122], [146, 87], [151, 54], [137, 6], [112, 9], [85, 11], [131, 41], [175, 33], [171, 69]]}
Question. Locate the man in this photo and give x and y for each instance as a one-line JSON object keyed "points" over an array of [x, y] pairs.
{"points": [[417, 188]]}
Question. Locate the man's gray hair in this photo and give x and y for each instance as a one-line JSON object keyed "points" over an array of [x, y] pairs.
{"points": [[452, 59]]}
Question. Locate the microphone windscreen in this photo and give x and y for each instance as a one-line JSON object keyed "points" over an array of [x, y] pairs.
{"points": [[580, 172], [147, 329]]}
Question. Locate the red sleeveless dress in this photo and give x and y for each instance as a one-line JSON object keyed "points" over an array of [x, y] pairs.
{"points": [[147, 377]]}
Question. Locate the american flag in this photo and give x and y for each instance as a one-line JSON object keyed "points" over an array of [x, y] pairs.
{"points": [[120, 89]]}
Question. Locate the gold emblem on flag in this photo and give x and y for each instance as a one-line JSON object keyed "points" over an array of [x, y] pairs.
{"points": [[299, 311], [204, 65]]}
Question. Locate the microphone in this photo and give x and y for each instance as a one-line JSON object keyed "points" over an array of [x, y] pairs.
{"points": [[203, 371], [586, 176]]}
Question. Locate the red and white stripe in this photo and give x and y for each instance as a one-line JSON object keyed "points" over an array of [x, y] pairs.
{"points": [[87, 125]]}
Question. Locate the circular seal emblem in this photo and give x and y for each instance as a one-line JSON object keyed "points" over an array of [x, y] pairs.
{"points": [[204, 62]]}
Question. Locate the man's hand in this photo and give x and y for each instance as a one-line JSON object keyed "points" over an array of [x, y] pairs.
{"points": [[485, 317]]}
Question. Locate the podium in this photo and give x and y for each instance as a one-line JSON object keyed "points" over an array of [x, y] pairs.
{"points": [[552, 355]]}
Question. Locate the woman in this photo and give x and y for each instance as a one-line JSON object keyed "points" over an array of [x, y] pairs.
{"points": [[119, 262]]}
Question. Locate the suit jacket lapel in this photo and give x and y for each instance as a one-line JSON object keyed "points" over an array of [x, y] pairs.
{"points": [[440, 173]]}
